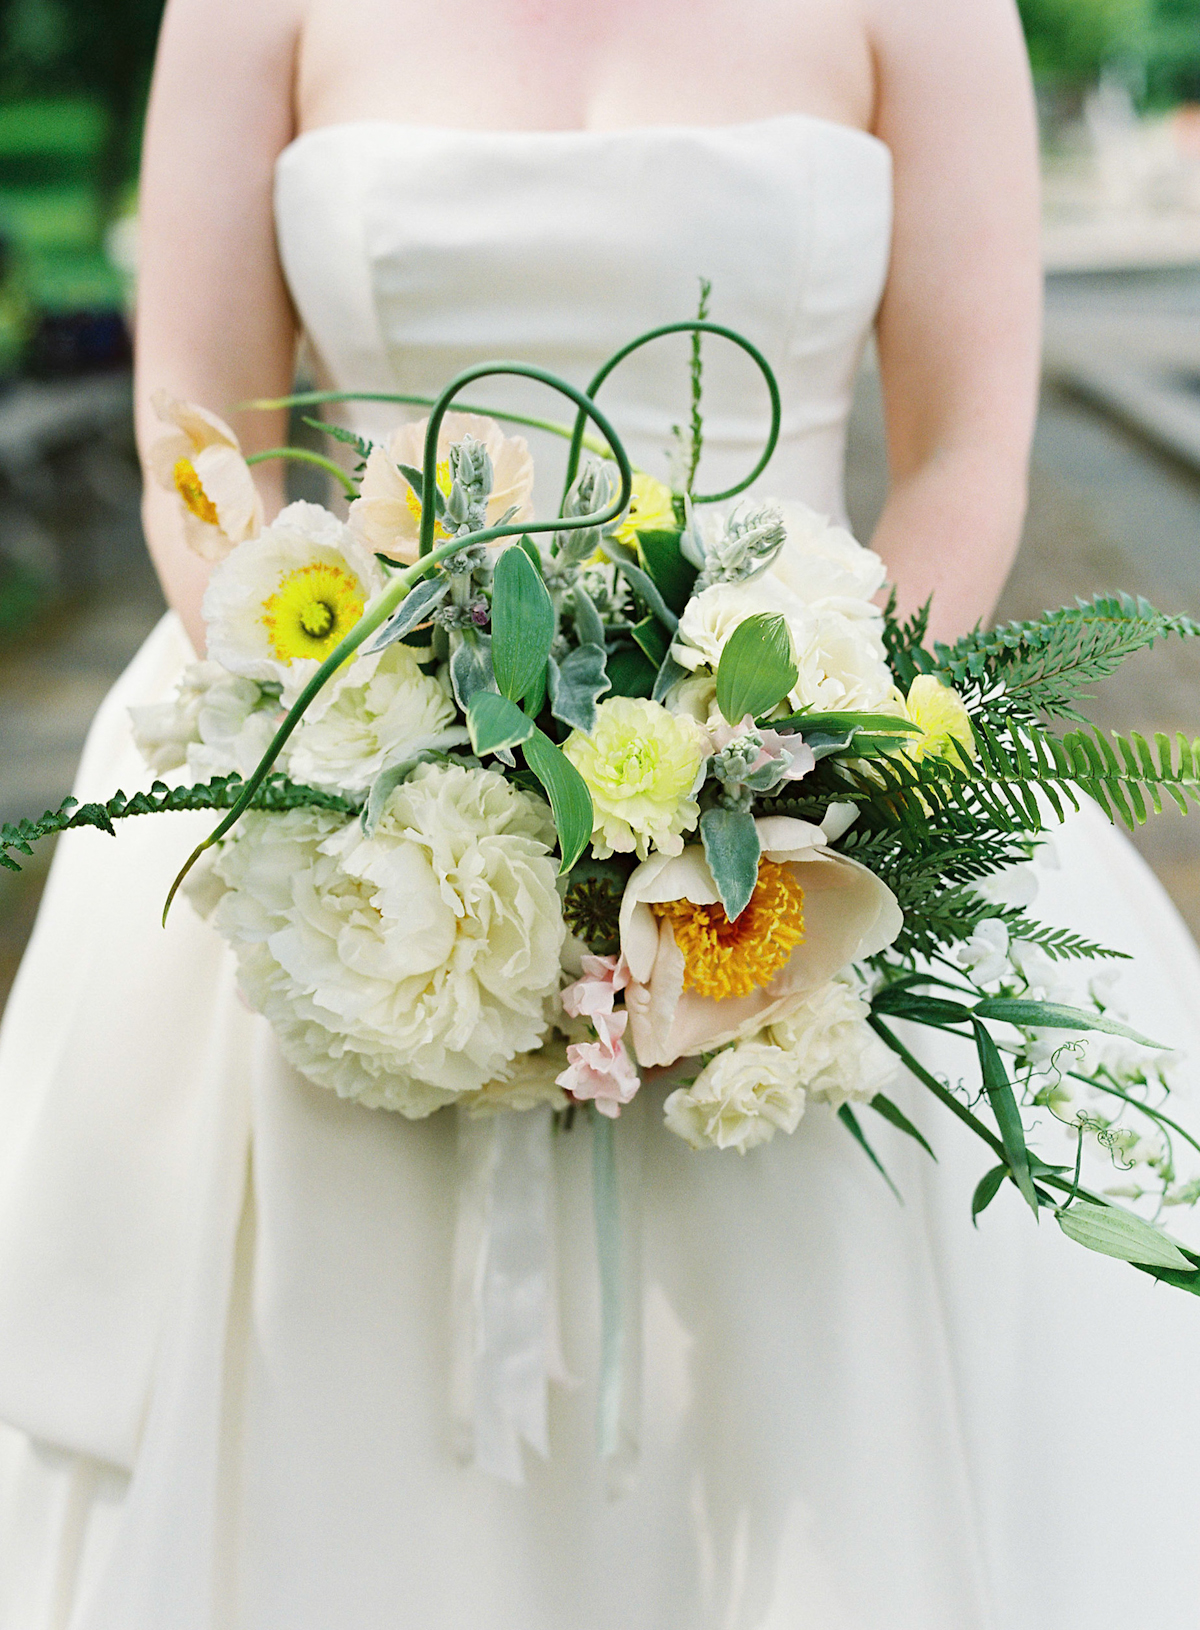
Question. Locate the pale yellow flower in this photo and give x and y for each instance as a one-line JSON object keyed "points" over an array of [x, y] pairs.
{"points": [[200, 461], [386, 516], [640, 765], [651, 509], [943, 719]]}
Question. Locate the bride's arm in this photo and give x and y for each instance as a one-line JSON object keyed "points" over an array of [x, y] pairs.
{"points": [[959, 329], [214, 323]]}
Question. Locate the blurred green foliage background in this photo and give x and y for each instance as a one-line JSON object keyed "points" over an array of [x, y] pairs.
{"points": [[1154, 44]]}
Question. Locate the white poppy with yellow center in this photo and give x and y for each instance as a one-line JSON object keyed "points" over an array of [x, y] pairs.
{"points": [[200, 461], [386, 516], [281, 602]]}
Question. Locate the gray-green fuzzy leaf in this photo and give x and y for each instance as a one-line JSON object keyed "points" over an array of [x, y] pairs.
{"points": [[471, 667], [732, 850], [416, 606], [576, 685]]}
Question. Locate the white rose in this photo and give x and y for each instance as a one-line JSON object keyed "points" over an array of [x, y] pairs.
{"points": [[711, 616], [740, 1099], [836, 1055], [412, 966], [379, 722], [843, 668], [822, 564]]}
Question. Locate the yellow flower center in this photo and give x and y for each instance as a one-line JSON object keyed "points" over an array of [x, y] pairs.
{"points": [[313, 610], [414, 503], [189, 488], [732, 959]]}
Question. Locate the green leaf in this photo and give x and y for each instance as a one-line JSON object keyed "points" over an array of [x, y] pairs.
{"points": [[417, 482], [588, 625], [897, 1118], [668, 676], [531, 549], [522, 624], [673, 576], [630, 672], [732, 850], [921, 1009], [839, 723], [850, 1120], [567, 791], [757, 667], [1056, 1016], [653, 640], [1115, 1232], [576, 684], [643, 585], [496, 723], [986, 1191], [1004, 1107]]}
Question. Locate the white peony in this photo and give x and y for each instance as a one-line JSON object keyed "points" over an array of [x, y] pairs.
{"points": [[367, 726], [410, 967], [216, 723], [842, 662], [824, 565], [836, 1055], [281, 602], [740, 1099]]}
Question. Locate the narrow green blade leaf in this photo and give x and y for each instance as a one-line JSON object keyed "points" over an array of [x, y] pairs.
{"points": [[522, 624], [757, 667], [850, 1120], [567, 791], [732, 849], [496, 723], [986, 1191], [1056, 1016], [838, 723], [897, 1118], [1004, 1107], [922, 1009], [1115, 1232]]}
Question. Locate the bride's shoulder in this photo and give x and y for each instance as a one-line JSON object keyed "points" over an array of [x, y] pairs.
{"points": [[945, 34], [216, 34]]}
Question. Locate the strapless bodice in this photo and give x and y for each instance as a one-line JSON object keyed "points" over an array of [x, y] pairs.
{"points": [[413, 252]]}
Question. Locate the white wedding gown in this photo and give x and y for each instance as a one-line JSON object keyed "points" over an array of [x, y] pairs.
{"points": [[224, 1293]]}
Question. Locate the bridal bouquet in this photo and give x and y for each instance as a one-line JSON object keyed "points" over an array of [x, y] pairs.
{"points": [[648, 797]]}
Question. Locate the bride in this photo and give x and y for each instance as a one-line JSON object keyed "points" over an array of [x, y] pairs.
{"points": [[224, 1303]]}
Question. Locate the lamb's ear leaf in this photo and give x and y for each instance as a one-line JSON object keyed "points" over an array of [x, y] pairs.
{"points": [[471, 667], [588, 624], [1113, 1231], [418, 604], [567, 791], [1057, 1016], [522, 624], [732, 850], [576, 685], [496, 723], [757, 667]]}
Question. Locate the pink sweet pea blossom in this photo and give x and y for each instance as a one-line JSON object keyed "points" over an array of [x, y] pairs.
{"points": [[601, 1070]]}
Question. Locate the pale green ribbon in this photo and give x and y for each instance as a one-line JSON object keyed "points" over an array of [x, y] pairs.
{"points": [[618, 1252]]}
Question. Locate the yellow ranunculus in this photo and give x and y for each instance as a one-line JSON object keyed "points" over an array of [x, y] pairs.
{"points": [[640, 764], [943, 719], [651, 509]]}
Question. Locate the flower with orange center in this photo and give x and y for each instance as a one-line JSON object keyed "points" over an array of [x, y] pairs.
{"points": [[699, 982], [200, 461], [723, 958]]}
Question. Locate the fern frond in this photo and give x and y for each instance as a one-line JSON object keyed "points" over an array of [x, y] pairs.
{"points": [[276, 794], [1043, 665]]}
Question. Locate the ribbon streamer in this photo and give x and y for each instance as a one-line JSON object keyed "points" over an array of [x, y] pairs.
{"points": [[505, 1316], [616, 1186]]}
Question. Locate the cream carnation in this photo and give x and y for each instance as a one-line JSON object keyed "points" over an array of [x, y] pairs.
{"points": [[836, 1055], [640, 764], [281, 602], [216, 723], [409, 967], [386, 516], [740, 1099], [397, 710], [200, 461]]}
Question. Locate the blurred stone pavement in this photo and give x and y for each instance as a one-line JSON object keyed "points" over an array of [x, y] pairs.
{"points": [[1108, 510]]}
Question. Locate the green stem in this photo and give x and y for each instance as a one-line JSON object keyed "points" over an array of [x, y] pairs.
{"points": [[404, 399], [302, 455], [693, 325], [935, 1086], [1146, 1109]]}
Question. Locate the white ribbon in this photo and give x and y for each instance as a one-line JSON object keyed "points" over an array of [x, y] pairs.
{"points": [[505, 1339]]}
